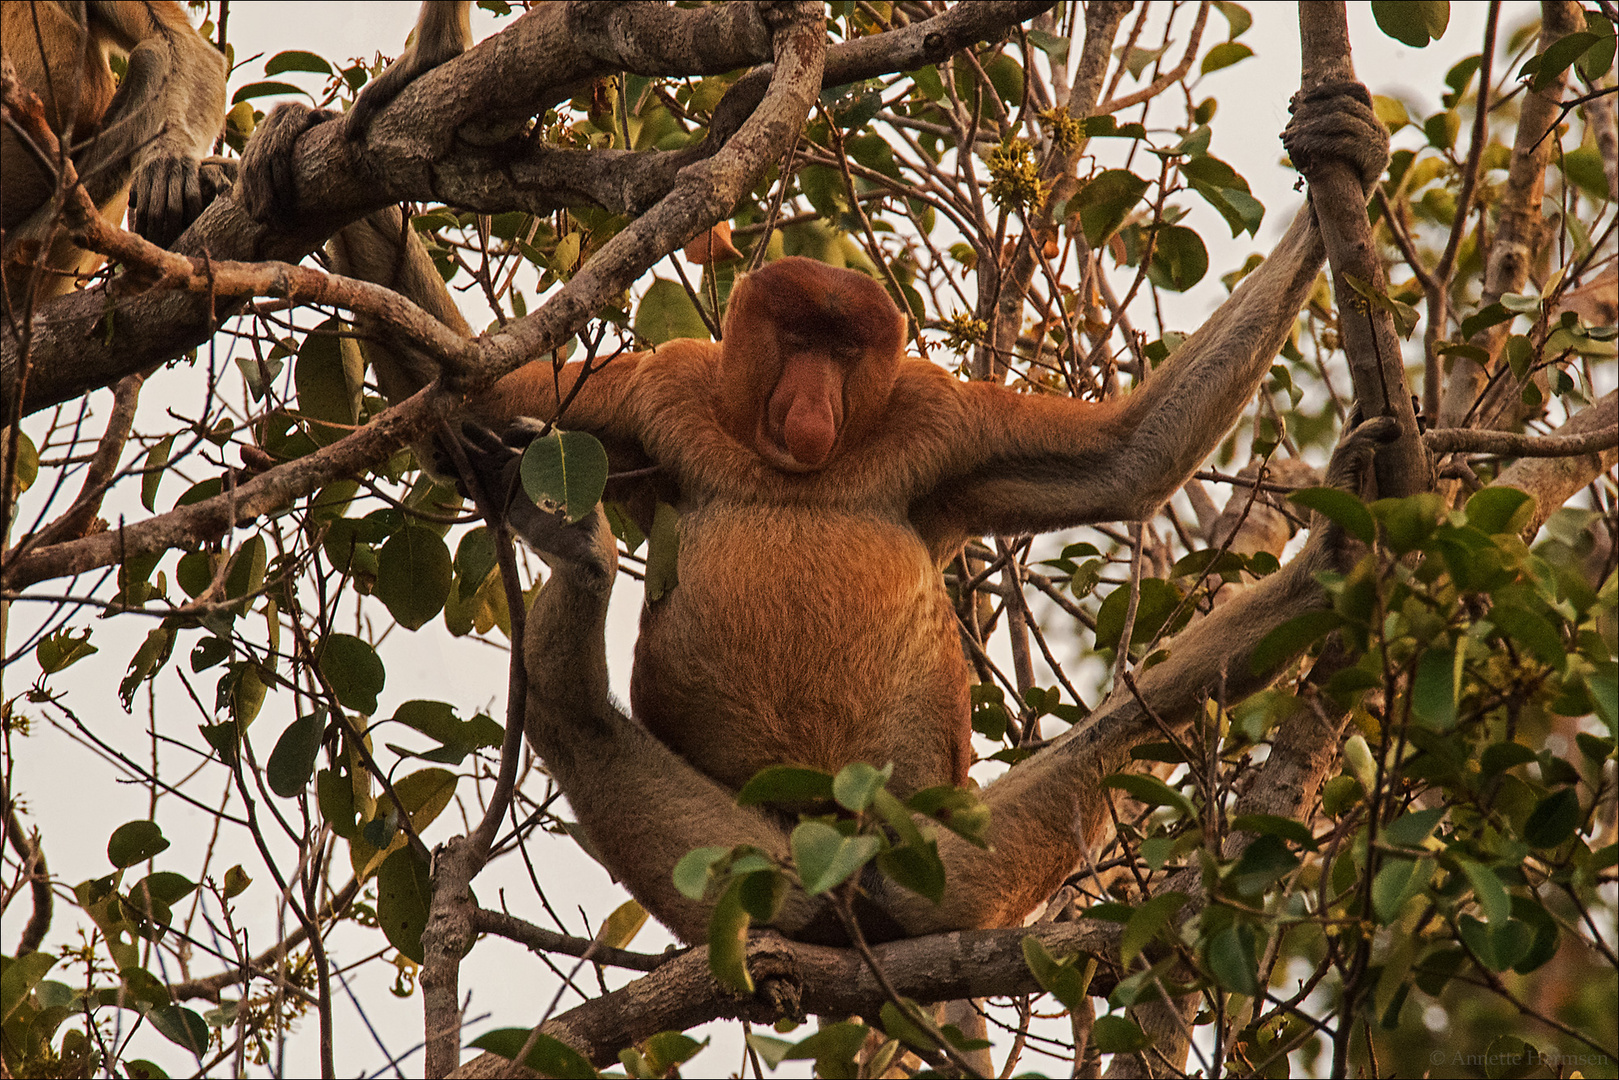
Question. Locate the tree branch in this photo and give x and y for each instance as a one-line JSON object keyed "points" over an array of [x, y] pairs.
{"points": [[1511, 444], [1339, 203]]}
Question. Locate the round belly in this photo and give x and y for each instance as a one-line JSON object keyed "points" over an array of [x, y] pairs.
{"points": [[804, 637]]}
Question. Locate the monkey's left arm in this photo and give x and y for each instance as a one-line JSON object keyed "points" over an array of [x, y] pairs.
{"points": [[1037, 463], [164, 118]]}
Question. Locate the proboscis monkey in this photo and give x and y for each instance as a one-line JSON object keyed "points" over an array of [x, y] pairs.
{"points": [[823, 480]]}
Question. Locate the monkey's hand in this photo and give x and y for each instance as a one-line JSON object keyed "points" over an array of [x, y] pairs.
{"points": [[165, 197], [1335, 120], [267, 183], [585, 548]]}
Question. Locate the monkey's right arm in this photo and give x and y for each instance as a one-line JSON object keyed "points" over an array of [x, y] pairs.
{"points": [[164, 117], [643, 807]]}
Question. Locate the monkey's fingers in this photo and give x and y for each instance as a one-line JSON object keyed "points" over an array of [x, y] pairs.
{"points": [[165, 199], [1336, 121], [267, 182]]}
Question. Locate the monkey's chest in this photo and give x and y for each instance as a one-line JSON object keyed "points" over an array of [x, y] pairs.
{"points": [[804, 637]]}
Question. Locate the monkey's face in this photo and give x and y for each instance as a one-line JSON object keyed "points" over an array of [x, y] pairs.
{"points": [[809, 360]]}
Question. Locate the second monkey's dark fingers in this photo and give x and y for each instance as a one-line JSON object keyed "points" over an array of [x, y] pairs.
{"points": [[267, 182], [1336, 120]]}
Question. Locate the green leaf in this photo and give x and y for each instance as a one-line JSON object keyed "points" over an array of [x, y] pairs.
{"points": [[1292, 638], [691, 873], [1553, 819], [267, 89], [566, 470], [295, 60], [1433, 692], [1528, 628], [1263, 863], [1501, 756], [354, 670], [135, 842], [825, 858], [292, 762], [663, 553], [787, 785], [667, 313], [414, 575], [19, 977], [1274, 825], [899, 1024], [474, 560], [1340, 507], [857, 784], [728, 941], [1159, 599], [549, 1057], [1412, 22], [1145, 922], [183, 1027], [1497, 947], [1106, 201], [1409, 522], [329, 376], [61, 650], [236, 881], [1236, 15], [1224, 55], [1487, 887], [1179, 259], [1412, 830], [1118, 1035], [1508, 1057], [1495, 510], [832, 1046], [917, 867], [1232, 961], [1398, 881], [1559, 56], [404, 891], [1151, 791], [1543, 945], [1065, 980], [157, 459]]}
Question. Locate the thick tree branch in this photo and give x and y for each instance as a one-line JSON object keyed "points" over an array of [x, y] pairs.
{"points": [[704, 193], [1555, 480], [1521, 229], [828, 981], [1511, 444]]}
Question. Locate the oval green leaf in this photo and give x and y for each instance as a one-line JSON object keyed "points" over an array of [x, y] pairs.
{"points": [[567, 470], [404, 889], [135, 842], [414, 575], [292, 762], [354, 670]]}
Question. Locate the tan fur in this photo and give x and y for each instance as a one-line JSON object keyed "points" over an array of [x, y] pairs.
{"points": [[151, 133], [811, 623]]}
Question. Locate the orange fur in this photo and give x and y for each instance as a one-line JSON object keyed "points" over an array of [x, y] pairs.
{"points": [[823, 481]]}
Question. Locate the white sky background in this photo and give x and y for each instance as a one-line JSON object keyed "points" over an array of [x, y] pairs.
{"points": [[76, 796]]}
